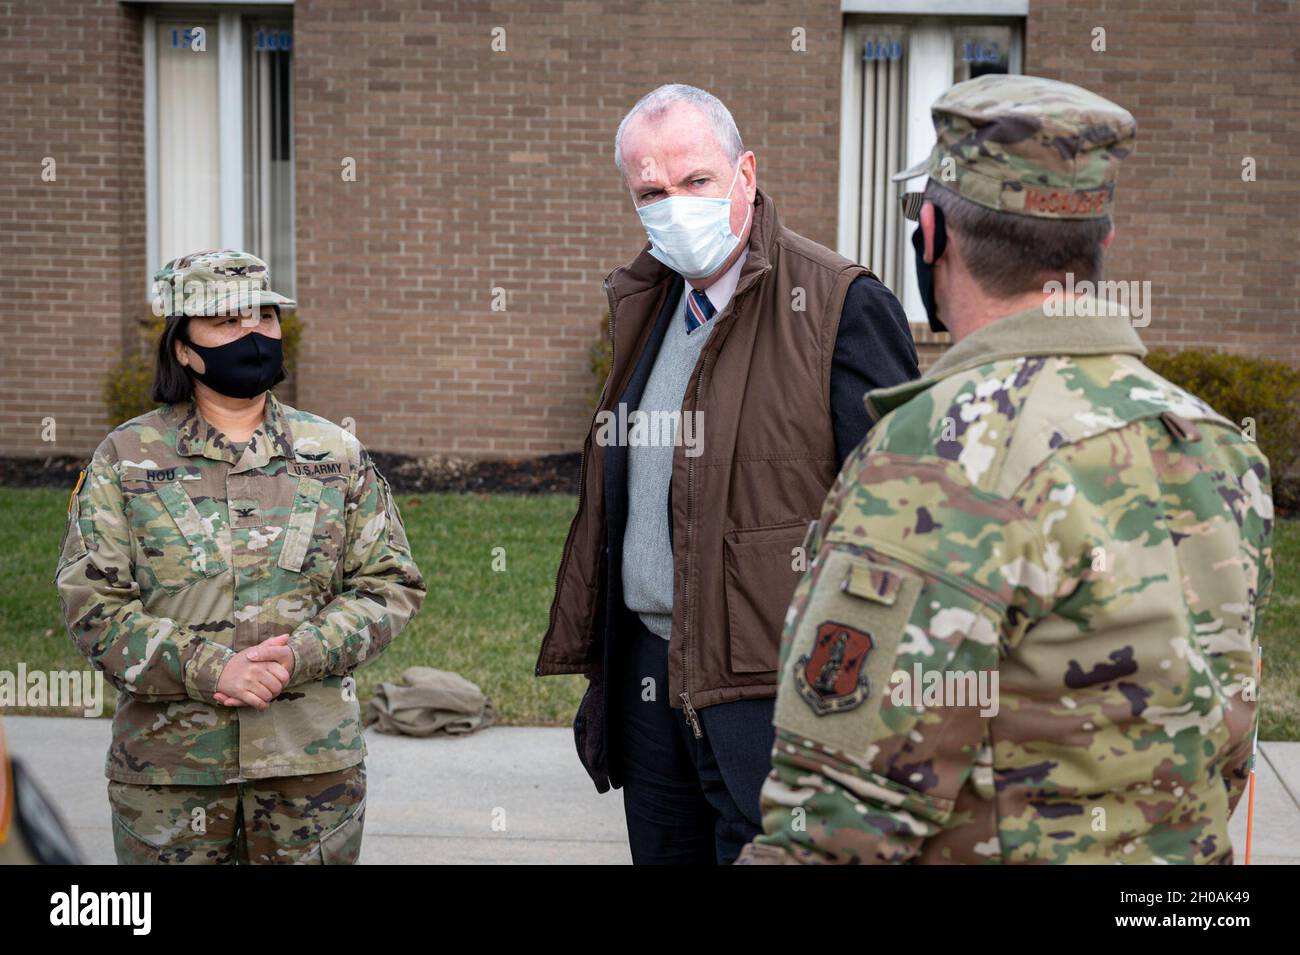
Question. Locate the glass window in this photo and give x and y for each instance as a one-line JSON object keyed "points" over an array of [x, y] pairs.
{"points": [[189, 179], [894, 70], [884, 132], [268, 147], [978, 50], [208, 193]]}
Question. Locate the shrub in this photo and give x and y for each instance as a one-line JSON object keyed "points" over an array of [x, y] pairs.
{"points": [[1240, 387], [129, 381]]}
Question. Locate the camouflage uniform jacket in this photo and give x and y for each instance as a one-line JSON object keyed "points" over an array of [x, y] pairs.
{"points": [[177, 555], [1043, 508]]}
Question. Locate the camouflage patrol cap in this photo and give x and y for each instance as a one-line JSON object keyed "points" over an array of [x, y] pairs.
{"points": [[215, 282], [1028, 146]]}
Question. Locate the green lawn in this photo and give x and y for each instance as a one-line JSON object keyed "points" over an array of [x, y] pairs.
{"points": [[482, 624], [487, 625]]}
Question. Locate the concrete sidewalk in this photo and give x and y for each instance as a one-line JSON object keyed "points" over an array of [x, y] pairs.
{"points": [[429, 800], [436, 800]]}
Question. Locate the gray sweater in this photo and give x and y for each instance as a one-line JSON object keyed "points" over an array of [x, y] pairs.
{"points": [[647, 552]]}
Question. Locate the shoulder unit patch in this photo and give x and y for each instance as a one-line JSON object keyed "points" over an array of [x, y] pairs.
{"points": [[832, 677]]}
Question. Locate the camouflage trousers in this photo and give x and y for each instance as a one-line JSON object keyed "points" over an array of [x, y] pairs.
{"points": [[305, 820]]}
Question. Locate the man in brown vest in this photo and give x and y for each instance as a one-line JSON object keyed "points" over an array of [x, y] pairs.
{"points": [[741, 354]]}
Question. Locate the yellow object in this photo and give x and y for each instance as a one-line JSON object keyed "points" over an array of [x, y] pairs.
{"points": [[73, 496]]}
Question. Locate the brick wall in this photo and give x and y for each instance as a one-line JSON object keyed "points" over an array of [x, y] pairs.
{"points": [[479, 170], [73, 250], [1207, 87]]}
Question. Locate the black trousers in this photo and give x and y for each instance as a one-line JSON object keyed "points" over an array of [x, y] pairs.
{"points": [[687, 800]]}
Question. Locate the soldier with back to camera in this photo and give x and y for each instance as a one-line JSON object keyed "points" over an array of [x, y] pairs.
{"points": [[1029, 631]]}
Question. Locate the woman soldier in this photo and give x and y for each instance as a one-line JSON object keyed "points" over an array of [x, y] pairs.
{"points": [[228, 562]]}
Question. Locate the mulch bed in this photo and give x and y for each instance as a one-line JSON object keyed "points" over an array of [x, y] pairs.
{"points": [[551, 474], [40, 472]]}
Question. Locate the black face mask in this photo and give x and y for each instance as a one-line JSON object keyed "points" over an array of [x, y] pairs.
{"points": [[243, 368], [925, 270]]}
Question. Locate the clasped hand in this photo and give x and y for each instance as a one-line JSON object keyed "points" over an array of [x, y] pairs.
{"points": [[257, 675]]}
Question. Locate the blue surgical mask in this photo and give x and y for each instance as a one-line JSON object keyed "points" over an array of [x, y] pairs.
{"points": [[692, 234]]}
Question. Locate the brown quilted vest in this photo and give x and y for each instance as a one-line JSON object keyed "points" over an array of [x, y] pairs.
{"points": [[740, 509]]}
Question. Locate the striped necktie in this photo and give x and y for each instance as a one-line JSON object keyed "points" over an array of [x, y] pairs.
{"points": [[698, 310]]}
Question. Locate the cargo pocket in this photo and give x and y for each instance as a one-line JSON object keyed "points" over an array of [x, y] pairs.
{"points": [[313, 540], [342, 844], [761, 575], [176, 542], [130, 847]]}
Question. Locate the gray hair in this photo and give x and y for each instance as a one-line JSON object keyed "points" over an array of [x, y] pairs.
{"points": [[1010, 254], [655, 103]]}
